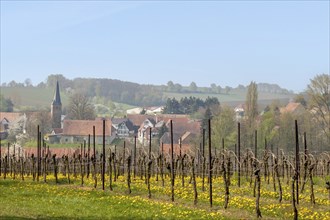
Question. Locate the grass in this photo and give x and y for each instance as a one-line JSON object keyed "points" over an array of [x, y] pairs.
{"points": [[36, 98], [234, 97], [28, 199], [25, 97]]}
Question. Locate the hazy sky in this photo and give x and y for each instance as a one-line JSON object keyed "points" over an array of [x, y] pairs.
{"points": [[152, 42]]}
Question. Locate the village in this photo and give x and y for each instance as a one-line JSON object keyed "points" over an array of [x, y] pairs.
{"points": [[133, 127]]}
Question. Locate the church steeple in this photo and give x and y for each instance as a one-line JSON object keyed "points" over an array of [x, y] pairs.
{"points": [[57, 97], [56, 108]]}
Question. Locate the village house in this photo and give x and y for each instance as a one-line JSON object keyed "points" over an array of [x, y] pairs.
{"points": [[181, 124], [123, 128], [144, 130], [8, 120], [77, 131], [184, 143], [295, 108], [153, 110], [239, 112]]}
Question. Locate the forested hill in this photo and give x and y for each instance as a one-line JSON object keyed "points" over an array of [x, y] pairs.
{"points": [[142, 95]]}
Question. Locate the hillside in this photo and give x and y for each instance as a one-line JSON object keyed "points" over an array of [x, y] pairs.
{"points": [[32, 97], [235, 97], [40, 98], [107, 92]]}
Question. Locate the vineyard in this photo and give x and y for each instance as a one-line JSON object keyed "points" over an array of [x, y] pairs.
{"points": [[136, 182]]}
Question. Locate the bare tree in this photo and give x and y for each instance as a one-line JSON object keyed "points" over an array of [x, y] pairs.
{"points": [[319, 93], [80, 108]]}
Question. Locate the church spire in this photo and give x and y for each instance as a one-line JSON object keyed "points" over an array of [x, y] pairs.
{"points": [[57, 97], [56, 108]]}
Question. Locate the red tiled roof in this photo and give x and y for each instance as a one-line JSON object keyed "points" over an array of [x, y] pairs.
{"points": [[139, 119], [181, 125], [291, 107], [10, 116], [58, 130], [85, 127], [28, 151]]}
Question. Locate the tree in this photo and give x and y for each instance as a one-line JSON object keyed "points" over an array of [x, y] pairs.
{"points": [[268, 127], [205, 121], [214, 88], [172, 107], [80, 108], [28, 82], [319, 94], [251, 112], [223, 125], [16, 130], [143, 111], [6, 105], [53, 78], [227, 90], [41, 118], [193, 87], [177, 87], [163, 129], [251, 104], [41, 85], [170, 86], [301, 99], [12, 83]]}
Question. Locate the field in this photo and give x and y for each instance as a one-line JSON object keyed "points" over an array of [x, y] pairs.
{"points": [[235, 97], [30, 199], [30, 96], [25, 97]]}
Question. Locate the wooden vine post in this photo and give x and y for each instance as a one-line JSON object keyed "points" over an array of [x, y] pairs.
{"points": [[305, 165], [55, 168], [129, 175], [110, 170], [172, 163], [226, 179], [103, 156], [162, 165], [293, 195], [257, 176], [88, 155], [149, 165], [38, 153], [194, 180], [0, 156], [327, 186], [134, 158], [203, 160], [297, 161], [239, 153], [210, 164], [255, 144]]}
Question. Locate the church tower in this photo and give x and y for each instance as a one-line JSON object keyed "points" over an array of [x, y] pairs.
{"points": [[56, 108]]}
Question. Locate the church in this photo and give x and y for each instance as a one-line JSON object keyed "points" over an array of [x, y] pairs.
{"points": [[56, 109], [75, 131]]}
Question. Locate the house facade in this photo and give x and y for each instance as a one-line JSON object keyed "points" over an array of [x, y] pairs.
{"points": [[10, 120], [77, 131], [123, 128]]}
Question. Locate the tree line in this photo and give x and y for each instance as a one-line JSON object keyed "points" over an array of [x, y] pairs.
{"points": [[188, 105], [133, 93]]}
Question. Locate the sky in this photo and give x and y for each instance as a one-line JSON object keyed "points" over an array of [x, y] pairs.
{"points": [[152, 42]]}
